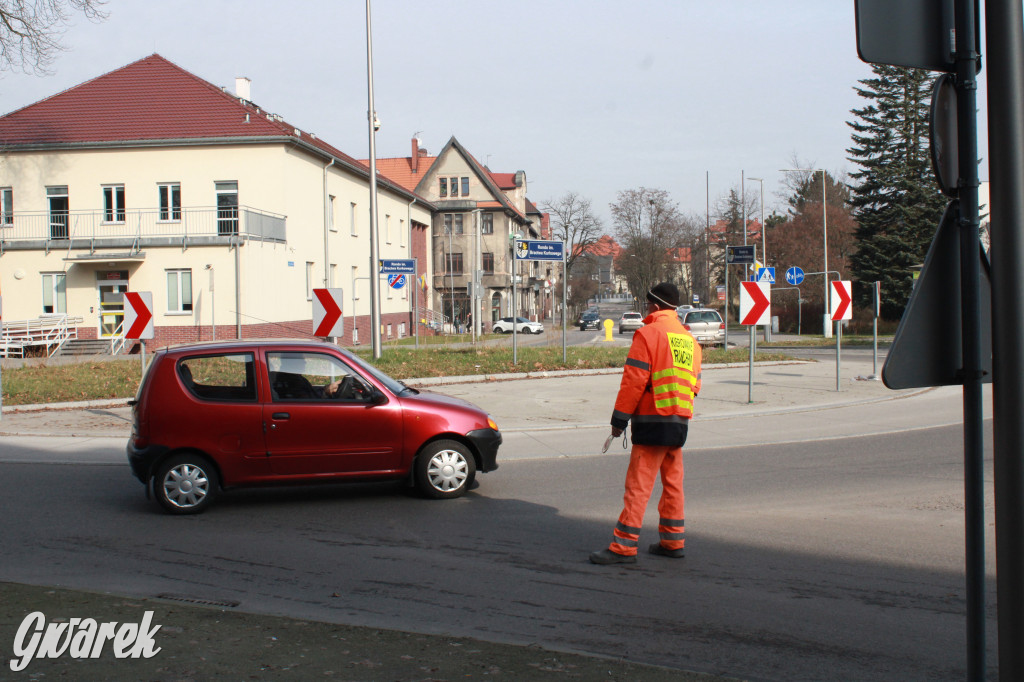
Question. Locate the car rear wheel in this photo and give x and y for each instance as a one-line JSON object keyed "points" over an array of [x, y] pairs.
{"points": [[185, 484], [444, 469]]}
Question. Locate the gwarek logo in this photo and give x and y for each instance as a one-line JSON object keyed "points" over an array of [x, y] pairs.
{"points": [[82, 638]]}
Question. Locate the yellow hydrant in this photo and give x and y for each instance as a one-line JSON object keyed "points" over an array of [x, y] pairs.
{"points": [[608, 326]]}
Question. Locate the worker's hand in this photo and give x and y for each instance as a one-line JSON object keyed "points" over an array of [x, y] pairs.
{"points": [[616, 432]]}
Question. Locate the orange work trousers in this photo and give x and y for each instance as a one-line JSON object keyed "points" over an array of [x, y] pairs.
{"points": [[645, 462]]}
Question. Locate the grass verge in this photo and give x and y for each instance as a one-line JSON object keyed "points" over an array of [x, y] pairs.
{"points": [[98, 380]]}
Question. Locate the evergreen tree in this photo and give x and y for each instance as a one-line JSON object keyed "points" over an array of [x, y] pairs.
{"points": [[895, 199]]}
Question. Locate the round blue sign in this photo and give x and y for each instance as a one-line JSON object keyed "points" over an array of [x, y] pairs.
{"points": [[396, 281], [794, 275]]}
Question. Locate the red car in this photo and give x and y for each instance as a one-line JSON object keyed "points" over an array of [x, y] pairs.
{"points": [[214, 416]]}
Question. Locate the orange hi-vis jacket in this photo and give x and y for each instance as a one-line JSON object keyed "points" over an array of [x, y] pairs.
{"points": [[659, 382]]}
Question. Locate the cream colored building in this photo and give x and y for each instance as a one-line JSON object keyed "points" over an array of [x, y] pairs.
{"points": [[150, 179]]}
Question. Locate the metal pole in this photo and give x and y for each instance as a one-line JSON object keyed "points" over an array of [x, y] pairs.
{"points": [[1005, 38], [750, 371], [824, 233], [374, 252], [839, 346], [565, 278], [970, 301], [515, 309]]}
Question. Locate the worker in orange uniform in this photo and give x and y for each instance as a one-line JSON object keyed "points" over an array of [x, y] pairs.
{"points": [[659, 382]]}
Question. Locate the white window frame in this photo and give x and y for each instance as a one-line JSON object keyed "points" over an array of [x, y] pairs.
{"points": [[352, 219], [6, 206], [331, 223], [169, 212], [57, 288], [309, 280], [179, 306], [401, 232], [113, 204], [387, 228]]}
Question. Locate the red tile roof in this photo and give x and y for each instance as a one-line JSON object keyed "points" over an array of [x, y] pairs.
{"points": [[504, 180], [399, 170]]}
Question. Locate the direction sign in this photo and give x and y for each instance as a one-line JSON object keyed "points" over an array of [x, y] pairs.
{"points": [[739, 255], [399, 266], [794, 275], [839, 307], [396, 281], [327, 317], [766, 275], [755, 303], [138, 315], [533, 249]]}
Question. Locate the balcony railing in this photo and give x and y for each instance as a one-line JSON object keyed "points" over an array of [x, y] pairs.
{"points": [[139, 225]]}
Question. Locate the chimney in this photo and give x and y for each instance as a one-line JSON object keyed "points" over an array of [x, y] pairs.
{"points": [[243, 88], [415, 160]]}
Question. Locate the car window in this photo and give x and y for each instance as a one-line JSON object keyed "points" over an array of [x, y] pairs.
{"points": [[312, 376], [219, 377]]}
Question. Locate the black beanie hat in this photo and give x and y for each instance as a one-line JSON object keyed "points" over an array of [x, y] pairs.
{"points": [[664, 295]]}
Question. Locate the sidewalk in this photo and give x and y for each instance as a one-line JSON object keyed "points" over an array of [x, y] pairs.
{"points": [[544, 400]]}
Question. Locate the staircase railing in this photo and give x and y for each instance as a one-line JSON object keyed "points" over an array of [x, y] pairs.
{"points": [[49, 331], [117, 341]]}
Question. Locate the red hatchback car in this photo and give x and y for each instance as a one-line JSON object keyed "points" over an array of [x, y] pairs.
{"points": [[214, 416]]}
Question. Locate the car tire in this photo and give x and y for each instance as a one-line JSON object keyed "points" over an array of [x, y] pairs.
{"points": [[444, 469], [185, 484]]}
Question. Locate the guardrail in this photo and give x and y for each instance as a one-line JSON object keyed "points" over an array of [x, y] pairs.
{"points": [[134, 226], [51, 331]]}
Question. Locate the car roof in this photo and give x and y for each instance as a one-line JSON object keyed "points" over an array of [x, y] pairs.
{"points": [[240, 344]]}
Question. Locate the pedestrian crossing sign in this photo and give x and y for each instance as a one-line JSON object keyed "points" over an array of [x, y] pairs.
{"points": [[766, 275]]}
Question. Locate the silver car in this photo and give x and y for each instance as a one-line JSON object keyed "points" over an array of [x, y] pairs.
{"points": [[705, 325], [630, 322], [523, 326]]}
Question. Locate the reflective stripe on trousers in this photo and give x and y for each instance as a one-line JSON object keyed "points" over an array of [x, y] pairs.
{"points": [[645, 463]]}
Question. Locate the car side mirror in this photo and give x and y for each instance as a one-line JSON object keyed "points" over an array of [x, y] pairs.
{"points": [[377, 396]]}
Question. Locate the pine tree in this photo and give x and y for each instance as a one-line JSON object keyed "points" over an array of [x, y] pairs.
{"points": [[895, 198]]}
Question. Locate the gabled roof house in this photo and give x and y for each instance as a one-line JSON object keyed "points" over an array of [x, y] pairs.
{"points": [[149, 178]]}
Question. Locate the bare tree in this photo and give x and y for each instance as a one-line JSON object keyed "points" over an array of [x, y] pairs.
{"points": [[651, 230], [30, 30], [573, 221]]}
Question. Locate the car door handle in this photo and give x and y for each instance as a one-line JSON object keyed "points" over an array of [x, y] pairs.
{"points": [[281, 415]]}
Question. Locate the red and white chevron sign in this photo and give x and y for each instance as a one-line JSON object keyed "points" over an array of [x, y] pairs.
{"points": [[755, 303], [327, 318], [138, 315], [839, 302]]}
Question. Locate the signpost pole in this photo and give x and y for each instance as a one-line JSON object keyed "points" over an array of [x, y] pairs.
{"points": [[839, 346], [565, 280]]}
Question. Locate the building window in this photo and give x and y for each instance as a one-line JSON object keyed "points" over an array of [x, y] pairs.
{"points": [[454, 263], [443, 192], [6, 206], [113, 204], [458, 223], [170, 202], [227, 207], [454, 184], [401, 232], [54, 299], [179, 291], [487, 263], [387, 229], [488, 223], [447, 223], [352, 219], [309, 281], [465, 187], [60, 207], [330, 213]]}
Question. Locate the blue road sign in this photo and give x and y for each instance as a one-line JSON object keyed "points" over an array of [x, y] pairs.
{"points": [[398, 266], [396, 281], [794, 275], [532, 249], [766, 275]]}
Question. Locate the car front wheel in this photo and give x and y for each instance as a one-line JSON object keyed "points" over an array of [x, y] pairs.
{"points": [[444, 469], [185, 484]]}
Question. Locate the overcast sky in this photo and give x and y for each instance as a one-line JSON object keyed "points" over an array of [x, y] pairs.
{"points": [[591, 96]]}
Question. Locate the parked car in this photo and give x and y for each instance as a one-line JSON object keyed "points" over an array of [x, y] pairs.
{"points": [[209, 417], [705, 325], [523, 326], [589, 321], [630, 322]]}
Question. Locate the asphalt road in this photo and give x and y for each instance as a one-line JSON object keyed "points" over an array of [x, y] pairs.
{"points": [[835, 559]]}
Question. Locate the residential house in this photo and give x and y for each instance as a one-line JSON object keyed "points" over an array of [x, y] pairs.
{"points": [[478, 214], [151, 179]]}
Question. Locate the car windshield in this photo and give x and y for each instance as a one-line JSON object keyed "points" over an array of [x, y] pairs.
{"points": [[395, 386], [631, 316], [589, 316], [521, 320]]}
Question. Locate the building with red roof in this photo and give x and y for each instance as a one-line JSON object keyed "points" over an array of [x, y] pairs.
{"points": [[149, 178]]}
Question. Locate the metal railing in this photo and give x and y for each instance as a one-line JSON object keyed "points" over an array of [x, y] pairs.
{"points": [[61, 227], [51, 331], [117, 341]]}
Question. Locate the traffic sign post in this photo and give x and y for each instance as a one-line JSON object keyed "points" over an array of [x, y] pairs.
{"points": [[755, 309], [794, 275], [138, 319], [840, 308], [398, 266], [328, 320], [536, 249]]}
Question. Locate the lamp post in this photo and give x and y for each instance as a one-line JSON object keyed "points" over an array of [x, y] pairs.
{"points": [[827, 326]]}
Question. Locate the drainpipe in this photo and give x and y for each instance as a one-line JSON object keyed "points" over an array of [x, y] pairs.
{"points": [[327, 223], [238, 289]]}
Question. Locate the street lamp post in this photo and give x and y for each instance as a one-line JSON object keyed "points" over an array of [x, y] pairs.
{"points": [[827, 326]]}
